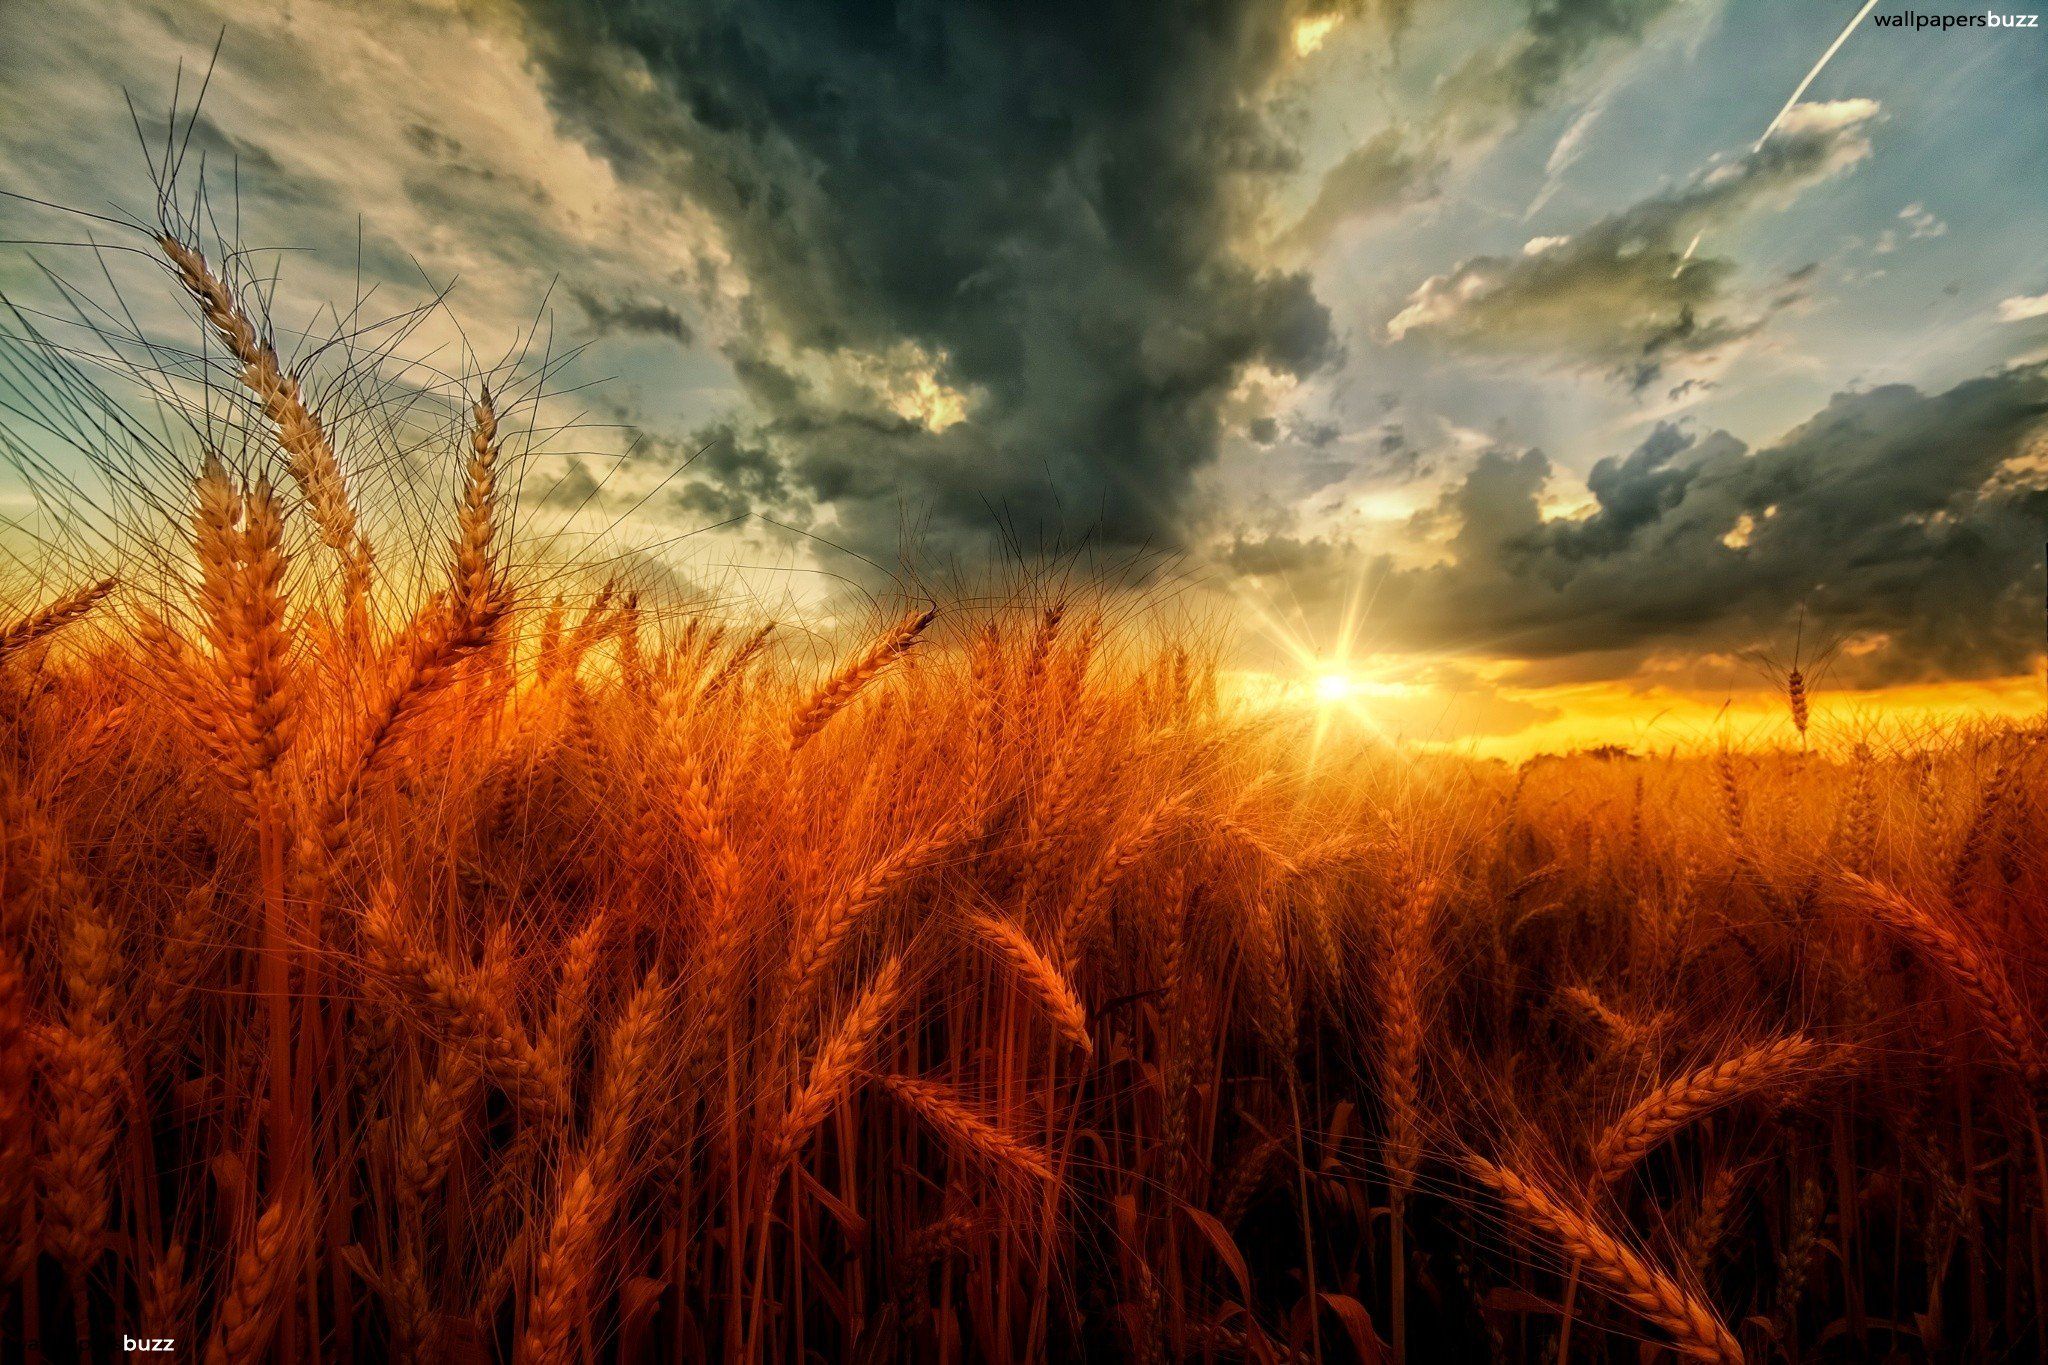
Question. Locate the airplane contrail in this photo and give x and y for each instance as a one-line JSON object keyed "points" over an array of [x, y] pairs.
{"points": [[1825, 58], [1693, 246]]}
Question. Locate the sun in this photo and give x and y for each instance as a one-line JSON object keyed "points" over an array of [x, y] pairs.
{"points": [[1334, 685]]}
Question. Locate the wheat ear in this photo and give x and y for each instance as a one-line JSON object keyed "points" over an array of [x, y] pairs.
{"points": [[843, 686], [1039, 974], [86, 1078], [1077, 921], [1276, 1015], [1975, 977], [238, 538], [567, 1262], [1626, 1033], [474, 1017], [48, 620], [264, 1272], [828, 932], [473, 582], [842, 1055], [966, 1130], [309, 455], [423, 666], [1401, 1018], [736, 664], [1681, 1100], [1710, 1222], [426, 1146], [1694, 1329], [17, 1146]]}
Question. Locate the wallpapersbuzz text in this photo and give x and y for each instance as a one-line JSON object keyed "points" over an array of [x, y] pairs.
{"points": [[1989, 19]]}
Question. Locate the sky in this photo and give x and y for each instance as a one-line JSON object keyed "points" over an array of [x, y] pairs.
{"points": [[1488, 352]]}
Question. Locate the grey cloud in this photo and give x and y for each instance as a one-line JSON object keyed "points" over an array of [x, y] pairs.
{"points": [[1893, 514], [1391, 170], [1629, 295], [1316, 475], [1047, 202], [632, 315], [1395, 456], [1500, 85], [575, 489], [283, 188], [1316, 435], [432, 141]]}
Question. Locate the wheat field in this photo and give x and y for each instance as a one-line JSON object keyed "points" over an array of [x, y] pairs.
{"points": [[405, 955]]}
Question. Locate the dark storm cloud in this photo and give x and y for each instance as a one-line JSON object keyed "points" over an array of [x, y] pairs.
{"points": [[1892, 513], [1628, 296], [726, 475], [1046, 200]]}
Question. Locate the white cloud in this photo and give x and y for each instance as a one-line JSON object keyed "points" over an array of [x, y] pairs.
{"points": [[1827, 116], [2020, 307], [1920, 223]]}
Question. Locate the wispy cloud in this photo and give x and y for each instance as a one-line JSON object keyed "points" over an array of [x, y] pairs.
{"points": [[1630, 295]]}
